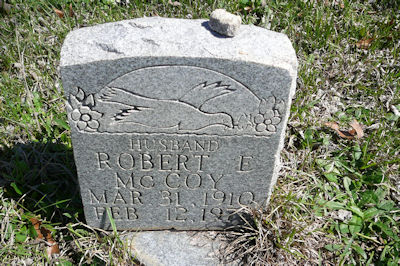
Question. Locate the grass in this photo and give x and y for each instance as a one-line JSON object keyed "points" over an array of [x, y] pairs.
{"points": [[336, 201]]}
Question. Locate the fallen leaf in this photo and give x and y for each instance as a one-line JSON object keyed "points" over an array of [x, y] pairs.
{"points": [[36, 224], [59, 13], [52, 248], [356, 132], [248, 8], [175, 3], [71, 11], [352, 132], [359, 133], [364, 43], [332, 125], [45, 234]]}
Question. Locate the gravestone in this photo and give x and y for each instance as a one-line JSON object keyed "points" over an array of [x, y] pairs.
{"points": [[174, 126]]}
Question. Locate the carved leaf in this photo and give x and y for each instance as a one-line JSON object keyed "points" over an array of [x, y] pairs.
{"points": [[80, 94], [267, 104], [270, 102], [75, 104], [89, 100], [263, 106], [280, 107]]}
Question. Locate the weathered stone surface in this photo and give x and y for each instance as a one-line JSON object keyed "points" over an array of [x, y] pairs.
{"points": [[224, 22], [173, 126], [178, 248]]}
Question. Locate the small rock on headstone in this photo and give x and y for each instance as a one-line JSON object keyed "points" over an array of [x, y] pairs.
{"points": [[225, 23]]}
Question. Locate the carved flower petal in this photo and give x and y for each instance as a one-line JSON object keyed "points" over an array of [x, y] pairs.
{"points": [[93, 124], [275, 120], [81, 125], [75, 115], [269, 114], [85, 110], [271, 128], [95, 115], [75, 104]]}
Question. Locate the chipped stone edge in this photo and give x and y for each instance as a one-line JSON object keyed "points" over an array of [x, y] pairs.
{"points": [[288, 61]]}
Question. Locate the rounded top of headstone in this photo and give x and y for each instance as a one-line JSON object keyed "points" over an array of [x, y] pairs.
{"points": [[170, 37], [224, 22]]}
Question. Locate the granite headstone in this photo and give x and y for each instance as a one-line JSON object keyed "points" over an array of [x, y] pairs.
{"points": [[174, 126]]}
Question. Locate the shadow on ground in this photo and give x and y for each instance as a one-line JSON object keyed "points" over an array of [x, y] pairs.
{"points": [[42, 178]]}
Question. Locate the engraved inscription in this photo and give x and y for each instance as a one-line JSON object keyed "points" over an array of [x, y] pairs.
{"points": [[244, 163], [117, 213], [178, 177], [148, 162]]}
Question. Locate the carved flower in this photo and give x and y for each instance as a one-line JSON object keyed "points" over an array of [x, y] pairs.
{"points": [[269, 115], [85, 118]]}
